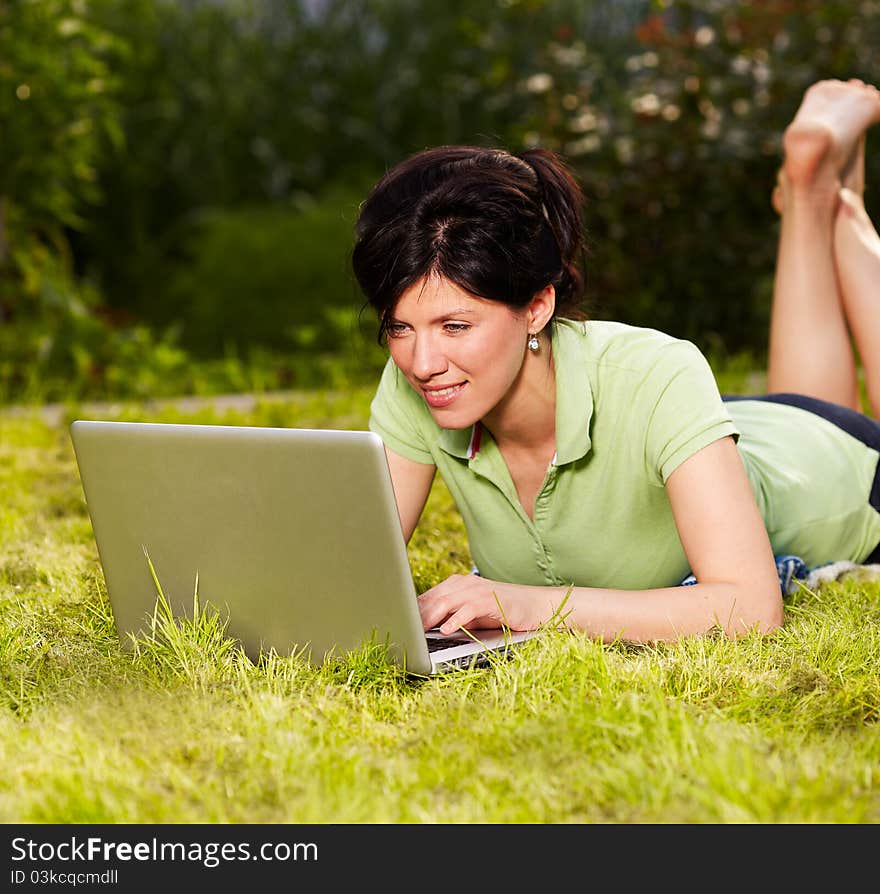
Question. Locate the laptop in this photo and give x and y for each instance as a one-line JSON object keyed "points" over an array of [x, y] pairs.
{"points": [[292, 535]]}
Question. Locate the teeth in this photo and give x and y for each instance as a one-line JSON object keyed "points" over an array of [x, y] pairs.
{"points": [[445, 392]]}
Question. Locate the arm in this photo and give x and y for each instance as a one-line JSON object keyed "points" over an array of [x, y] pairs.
{"points": [[412, 484], [726, 544]]}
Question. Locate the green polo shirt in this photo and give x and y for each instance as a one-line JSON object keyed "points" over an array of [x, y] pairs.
{"points": [[631, 405]]}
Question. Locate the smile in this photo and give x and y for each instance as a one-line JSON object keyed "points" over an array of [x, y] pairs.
{"points": [[442, 397]]}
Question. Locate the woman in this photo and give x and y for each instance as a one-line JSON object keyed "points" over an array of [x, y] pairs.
{"points": [[595, 464]]}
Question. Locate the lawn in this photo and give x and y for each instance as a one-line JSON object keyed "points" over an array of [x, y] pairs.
{"points": [[186, 729]]}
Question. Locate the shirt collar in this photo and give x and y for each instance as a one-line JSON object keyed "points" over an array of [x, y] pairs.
{"points": [[574, 393], [462, 442], [574, 402]]}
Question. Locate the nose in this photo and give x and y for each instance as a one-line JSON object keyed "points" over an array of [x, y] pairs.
{"points": [[427, 359]]}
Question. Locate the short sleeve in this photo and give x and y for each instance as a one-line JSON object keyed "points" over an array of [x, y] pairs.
{"points": [[687, 410], [395, 416]]}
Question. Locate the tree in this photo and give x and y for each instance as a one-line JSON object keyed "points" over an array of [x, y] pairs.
{"points": [[56, 105]]}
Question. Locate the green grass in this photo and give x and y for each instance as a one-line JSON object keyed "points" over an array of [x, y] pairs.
{"points": [[185, 729]]}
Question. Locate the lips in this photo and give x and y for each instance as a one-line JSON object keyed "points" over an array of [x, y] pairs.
{"points": [[442, 397]]}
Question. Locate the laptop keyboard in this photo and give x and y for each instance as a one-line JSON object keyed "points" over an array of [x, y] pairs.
{"points": [[435, 643]]}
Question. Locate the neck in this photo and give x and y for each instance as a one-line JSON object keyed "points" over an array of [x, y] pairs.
{"points": [[526, 417]]}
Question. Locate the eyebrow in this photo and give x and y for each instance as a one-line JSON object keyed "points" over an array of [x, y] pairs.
{"points": [[450, 314]]}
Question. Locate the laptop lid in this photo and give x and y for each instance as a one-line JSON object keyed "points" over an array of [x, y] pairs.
{"points": [[294, 535]]}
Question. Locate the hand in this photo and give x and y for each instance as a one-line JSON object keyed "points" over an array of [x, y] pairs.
{"points": [[473, 602]]}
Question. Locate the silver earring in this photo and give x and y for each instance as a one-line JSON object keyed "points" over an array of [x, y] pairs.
{"points": [[533, 342]]}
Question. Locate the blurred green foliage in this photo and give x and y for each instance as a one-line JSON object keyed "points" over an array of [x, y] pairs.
{"points": [[264, 275], [180, 179], [55, 106]]}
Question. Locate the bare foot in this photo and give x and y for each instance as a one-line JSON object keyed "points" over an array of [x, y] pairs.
{"points": [[853, 175], [777, 197], [822, 143], [852, 210]]}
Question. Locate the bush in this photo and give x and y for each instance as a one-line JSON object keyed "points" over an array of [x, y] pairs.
{"points": [[264, 276], [65, 347]]}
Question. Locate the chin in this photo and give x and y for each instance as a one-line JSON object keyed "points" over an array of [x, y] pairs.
{"points": [[454, 421]]}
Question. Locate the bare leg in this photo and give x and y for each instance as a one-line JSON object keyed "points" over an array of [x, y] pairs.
{"points": [[810, 346], [857, 256]]}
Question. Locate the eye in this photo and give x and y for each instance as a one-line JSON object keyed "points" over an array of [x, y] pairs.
{"points": [[456, 328], [395, 330]]}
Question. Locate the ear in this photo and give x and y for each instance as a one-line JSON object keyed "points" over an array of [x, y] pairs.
{"points": [[540, 309]]}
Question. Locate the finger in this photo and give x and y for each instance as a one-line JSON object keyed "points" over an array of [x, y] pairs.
{"points": [[445, 598], [434, 609], [472, 615], [458, 621]]}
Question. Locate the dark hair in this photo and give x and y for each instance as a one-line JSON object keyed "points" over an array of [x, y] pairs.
{"points": [[498, 225]]}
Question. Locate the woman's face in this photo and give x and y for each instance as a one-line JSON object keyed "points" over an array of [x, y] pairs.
{"points": [[463, 354]]}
